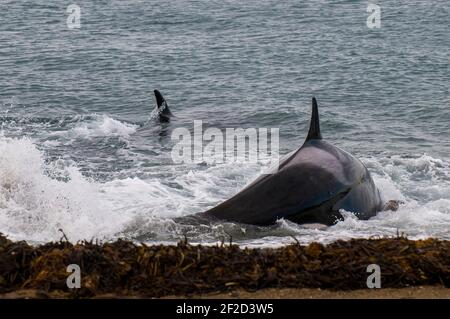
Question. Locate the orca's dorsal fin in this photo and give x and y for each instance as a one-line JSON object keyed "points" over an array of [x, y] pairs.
{"points": [[314, 128], [163, 107]]}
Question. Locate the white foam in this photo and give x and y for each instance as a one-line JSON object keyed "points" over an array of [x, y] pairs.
{"points": [[34, 206], [98, 126], [105, 126], [37, 198]]}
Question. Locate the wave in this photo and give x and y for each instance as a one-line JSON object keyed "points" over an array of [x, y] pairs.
{"points": [[101, 125], [83, 126], [38, 198]]}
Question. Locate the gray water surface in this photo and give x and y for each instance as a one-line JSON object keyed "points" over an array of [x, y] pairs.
{"points": [[79, 150]]}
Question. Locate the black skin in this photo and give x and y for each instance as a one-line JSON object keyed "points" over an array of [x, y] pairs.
{"points": [[310, 186], [164, 113]]}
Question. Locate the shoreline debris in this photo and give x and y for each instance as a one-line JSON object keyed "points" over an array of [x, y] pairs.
{"points": [[125, 268]]}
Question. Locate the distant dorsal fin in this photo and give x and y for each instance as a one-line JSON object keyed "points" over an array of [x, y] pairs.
{"points": [[314, 128], [161, 103]]}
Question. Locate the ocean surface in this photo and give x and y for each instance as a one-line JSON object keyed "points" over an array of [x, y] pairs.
{"points": [[80, 152]]}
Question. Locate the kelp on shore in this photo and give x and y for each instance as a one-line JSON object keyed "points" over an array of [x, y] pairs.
{"points": [[126, 269]]}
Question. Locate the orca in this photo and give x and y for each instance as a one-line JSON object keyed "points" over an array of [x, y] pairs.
{"points": [[163, 111], [312, 185]]}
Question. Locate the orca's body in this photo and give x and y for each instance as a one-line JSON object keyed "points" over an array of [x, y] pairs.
{"points": [[310, 186]]}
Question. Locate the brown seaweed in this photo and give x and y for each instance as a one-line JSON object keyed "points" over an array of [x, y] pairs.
{"points": [[125, 268]]}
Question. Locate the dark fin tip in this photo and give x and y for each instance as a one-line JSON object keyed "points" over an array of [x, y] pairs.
{"points": [[314, 128], [162, 104], [159, 97]]}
